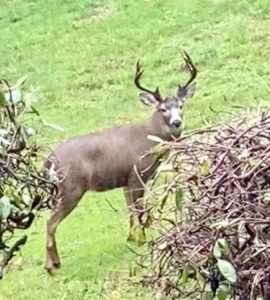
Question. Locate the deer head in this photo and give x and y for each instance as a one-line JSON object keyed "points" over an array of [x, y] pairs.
{"points": [[170, 108]]}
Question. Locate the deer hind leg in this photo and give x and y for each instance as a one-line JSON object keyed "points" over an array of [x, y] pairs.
{"points": [[59, 213]]}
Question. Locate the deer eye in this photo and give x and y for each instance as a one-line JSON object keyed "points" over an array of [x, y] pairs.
{"points": [[163, 109]]}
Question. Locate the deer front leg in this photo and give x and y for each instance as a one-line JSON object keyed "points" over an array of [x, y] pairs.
{"points": [[52, 257], [133, 197], [57, 216], [135, 213], [66, 204], [133, 194]]}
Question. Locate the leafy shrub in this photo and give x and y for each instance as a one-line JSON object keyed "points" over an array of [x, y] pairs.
{"points": [[25, 188], [210, 219]]}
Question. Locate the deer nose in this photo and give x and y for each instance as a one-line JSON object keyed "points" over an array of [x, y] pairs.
{"points": [[176, 123]]}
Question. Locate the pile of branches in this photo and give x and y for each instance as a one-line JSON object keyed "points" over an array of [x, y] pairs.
{"points": [[24, 188], [213, 237]]}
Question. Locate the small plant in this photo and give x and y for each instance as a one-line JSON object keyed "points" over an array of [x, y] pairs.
{"points": [[24, 189]]}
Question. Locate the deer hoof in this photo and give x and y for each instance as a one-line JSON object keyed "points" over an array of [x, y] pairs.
{"points": [[50, 267], [50, 271], [57, 265]]}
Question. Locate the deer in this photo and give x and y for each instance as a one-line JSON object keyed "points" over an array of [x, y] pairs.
{"points": [[107, 159]]}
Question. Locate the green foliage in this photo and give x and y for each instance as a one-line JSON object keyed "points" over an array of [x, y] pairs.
{"points": [[5, 208], [227, 270], [137, 234], [2, 99], [179, 198], [24, 189], [204, 168], [221, 248]]}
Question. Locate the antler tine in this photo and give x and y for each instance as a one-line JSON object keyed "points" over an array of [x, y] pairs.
{"points": [[191, 68], [138, 74]]}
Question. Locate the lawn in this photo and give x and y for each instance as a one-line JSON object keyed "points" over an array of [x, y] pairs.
{"points": [[81, 57]]}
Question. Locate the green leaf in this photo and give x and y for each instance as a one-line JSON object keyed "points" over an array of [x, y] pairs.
{"points": [[26, 199], [164, 199], [4, 141], [162, 246], [155, 139], [34, 110], [200, 279], [223, 295], [3, 132], [2, 99], [184, 276], [217, 250], [19, 82], [16, 96], [5, 207], [172, 222], [52, 173], [221, 248], [159, 296], [53, 126], [224, 224], [204, 168], [148, 222], [30, 131], [166, 168], [227, 270], [137, 234], [3, 151], [255, 162], [179, 197], [16, 199]]}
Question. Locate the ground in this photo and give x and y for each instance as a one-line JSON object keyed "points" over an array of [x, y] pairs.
{"points": [[81, 56]]}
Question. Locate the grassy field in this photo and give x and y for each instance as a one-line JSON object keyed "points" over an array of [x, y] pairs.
{"points": [[81, 56]]}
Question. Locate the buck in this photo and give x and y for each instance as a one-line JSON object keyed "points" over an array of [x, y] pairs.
{"points": [[107, 159]]}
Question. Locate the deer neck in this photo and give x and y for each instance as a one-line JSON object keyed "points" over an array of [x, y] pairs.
{"points": [[158, 127]]}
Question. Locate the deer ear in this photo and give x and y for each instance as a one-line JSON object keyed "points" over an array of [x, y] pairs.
{"points": [[148, 99], [185, 93]]}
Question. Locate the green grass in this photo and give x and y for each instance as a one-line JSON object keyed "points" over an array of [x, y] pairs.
{"points": [[81, 56]]}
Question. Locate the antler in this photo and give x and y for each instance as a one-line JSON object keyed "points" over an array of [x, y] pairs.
{"points": [[193, 73], [138, 74]]}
